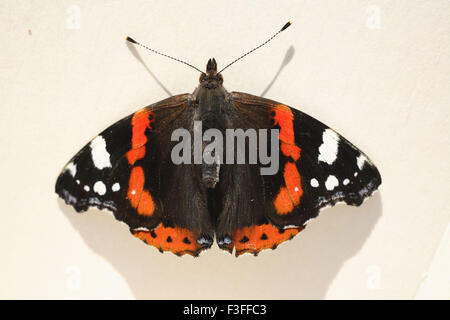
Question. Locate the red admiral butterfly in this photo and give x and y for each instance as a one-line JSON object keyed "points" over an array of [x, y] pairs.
{"points": [[128, 170]]}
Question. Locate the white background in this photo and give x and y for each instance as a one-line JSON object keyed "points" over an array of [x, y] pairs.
{"points": [[376, 71]]}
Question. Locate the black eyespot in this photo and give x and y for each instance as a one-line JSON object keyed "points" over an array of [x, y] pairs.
{"points": [[281, 230], [186, 240], [150, 117], [272, 114], [169, 239], [153, 234], [244, 239], [264, 236]]}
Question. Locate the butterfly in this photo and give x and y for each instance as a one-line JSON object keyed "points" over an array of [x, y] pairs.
{"points": [[129, 170]]}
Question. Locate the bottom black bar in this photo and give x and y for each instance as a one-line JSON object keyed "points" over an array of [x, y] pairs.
{"points": [[222, 309]]}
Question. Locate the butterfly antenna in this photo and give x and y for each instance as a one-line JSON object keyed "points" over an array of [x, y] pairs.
{"points": [[162, 54], [265, 42]]}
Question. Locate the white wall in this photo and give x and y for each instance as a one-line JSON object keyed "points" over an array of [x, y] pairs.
{"points": [[376, 71]]}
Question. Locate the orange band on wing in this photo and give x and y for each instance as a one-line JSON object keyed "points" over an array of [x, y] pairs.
{"points": [[135, 186], [140, 199], [177, 240], [293, 182], [146, 205], [290, 150], [283, 203], [253, 239], [135, 154], [288, 197], [284, 118], [140, 122]]}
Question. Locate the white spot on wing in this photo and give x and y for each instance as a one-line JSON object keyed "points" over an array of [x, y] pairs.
{"points": [[331, 182], [86, 188], [314, 183], [100, 156], [141, 229], [115, 187], [72, 168], [360, 161], [346, 182], [100, 188], [296, 189], [133, 192], [290, 226], [329, 148]]}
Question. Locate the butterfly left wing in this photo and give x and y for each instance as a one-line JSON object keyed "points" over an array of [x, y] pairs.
{"points": [[317, 168], [127, 170]]}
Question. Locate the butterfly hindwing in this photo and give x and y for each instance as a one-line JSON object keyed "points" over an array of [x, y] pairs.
{"points": [[127, 170], [317, 168]]}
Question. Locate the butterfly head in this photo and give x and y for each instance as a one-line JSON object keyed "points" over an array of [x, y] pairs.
{"points": [[211, 79]]}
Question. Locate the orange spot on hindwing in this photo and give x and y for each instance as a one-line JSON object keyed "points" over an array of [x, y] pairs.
{"points": [[177, 240], [255, 238], [289, 195]]}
